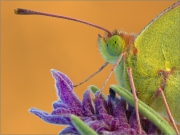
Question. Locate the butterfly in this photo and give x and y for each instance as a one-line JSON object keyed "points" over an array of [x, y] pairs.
{"points": [[153, 55]]}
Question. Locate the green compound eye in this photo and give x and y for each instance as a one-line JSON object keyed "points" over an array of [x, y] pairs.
{"points": [[112, 48], [115, 45]]}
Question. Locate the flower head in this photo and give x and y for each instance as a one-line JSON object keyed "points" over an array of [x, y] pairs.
{"points": [[105, 115]]}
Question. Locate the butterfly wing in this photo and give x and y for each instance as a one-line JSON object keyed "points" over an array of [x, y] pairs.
{"points": [[158, 46]]}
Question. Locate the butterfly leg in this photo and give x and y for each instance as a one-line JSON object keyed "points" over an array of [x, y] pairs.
{"points": [[113, 68], [160, 91], [99, 70], [129, 70]]}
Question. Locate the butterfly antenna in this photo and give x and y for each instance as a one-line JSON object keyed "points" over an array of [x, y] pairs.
{"points": [[21, 11]]}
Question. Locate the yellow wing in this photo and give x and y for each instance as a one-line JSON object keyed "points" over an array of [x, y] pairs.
{"points": [[158, 46]]}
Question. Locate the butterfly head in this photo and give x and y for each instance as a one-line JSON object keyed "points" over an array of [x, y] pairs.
{"points": [[111, 46]]}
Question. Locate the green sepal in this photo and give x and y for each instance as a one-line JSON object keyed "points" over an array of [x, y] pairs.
{"points": [[94, 89], [82, 128], [145, 110]]}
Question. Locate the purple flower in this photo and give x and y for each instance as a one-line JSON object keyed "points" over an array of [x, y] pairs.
{"points": [[105, 115]]}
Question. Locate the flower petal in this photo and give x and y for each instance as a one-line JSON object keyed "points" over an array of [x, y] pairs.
{"points": [[68, 130], [119, 124], [98, 125], [64, 90], [88, 119], [58, 104], [114, 133], [133, 122], [100, 104], [53, 119], [65, 77], [120, 111], [106, 118], [62, 111], [131, 131], [87, 106]]}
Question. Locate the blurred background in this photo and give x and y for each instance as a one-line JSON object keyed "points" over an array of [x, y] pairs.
{"points": [[32, 45]]}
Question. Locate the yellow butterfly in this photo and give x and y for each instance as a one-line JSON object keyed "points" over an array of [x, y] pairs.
{"points": [[154, 56]]}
